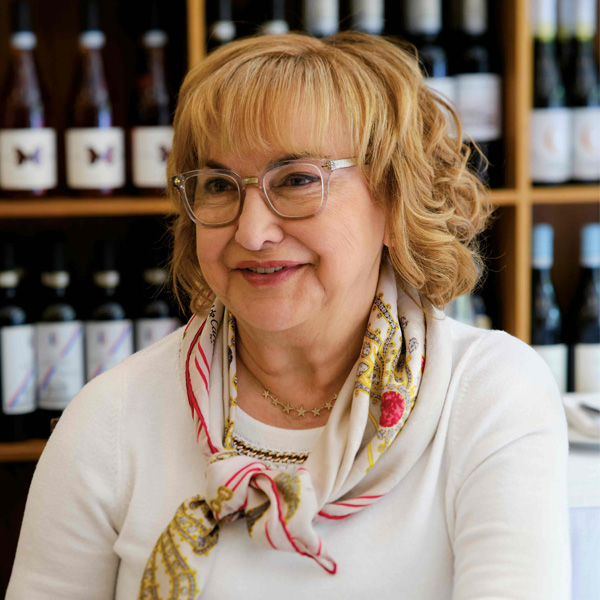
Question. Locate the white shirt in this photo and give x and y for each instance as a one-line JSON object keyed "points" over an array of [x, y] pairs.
{"points": [[480, 513]]}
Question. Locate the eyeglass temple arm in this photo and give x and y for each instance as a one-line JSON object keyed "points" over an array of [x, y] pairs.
{"points": [[341, 163]]}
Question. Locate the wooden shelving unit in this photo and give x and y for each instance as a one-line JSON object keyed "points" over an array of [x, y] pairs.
{"points": [[516, 202]]}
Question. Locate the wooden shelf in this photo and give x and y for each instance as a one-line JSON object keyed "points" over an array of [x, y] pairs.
{"points": [[82, 207], [566, 194], [27, 451], [504, 197]]}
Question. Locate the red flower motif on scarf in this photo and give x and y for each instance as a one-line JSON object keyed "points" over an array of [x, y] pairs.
{"points": [[392, 409]]}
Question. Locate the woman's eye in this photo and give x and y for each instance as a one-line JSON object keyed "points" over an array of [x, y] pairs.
{"points": [[218, 186], [299, 179]]}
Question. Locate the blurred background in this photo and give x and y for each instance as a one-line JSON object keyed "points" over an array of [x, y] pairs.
{"points": [[87, 92]]}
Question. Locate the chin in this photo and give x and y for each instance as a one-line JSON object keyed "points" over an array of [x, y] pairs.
{"points": [[272, 315]]}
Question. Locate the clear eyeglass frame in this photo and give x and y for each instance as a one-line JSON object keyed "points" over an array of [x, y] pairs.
{"points": [[326, 167]]}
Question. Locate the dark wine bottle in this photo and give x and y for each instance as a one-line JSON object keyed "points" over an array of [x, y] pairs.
{"points": [[583, 92], [546, 318], [108, 330], [321, 17], [27, 144], [156, 318], [368, 16], [550, 119], [479, 91], [95, 146], [423, 25], [222, 29], [566, 35], [585, 313], [59, 340], [152, 133], [274, 21], [17, 354]]}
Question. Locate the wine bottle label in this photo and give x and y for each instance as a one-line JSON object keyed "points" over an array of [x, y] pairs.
{"points": [[585, 19], [445, 87], [275, 27], [321, 17], [223, 31], [550, 145], [555, 356], [28, 159], [150, 150], [107, 343], [479, 102], [586, 143], [474, 16], [367, 15], [587, 368], [60, 374], [424, 16], [95, 157], [18, 369], [148, 331]]}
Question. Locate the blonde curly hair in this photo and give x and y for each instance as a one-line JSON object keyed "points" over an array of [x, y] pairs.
{"points": [[240, 97]]}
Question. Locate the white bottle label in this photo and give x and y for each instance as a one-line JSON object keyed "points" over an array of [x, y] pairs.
{"points": [[60, 365], [445, 87], [321, 17], [586, 143], [479, 102], [275, 27], [150, 150], [148, 331], [95, 157], [587, 367], [367, 15], [550, 145], [28, 159], [18, 369], [107, 343], [424, 16], [555, 356]]}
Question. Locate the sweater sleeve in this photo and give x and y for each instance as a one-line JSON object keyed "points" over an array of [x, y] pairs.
{"points": [[508, 484], [65, 547]]}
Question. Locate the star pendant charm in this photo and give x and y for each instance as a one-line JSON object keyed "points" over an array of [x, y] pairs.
{"points": [[301, 412], [316, 412]]}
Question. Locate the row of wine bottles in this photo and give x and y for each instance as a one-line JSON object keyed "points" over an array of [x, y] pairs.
{"points": [[571, 348], [457, 57], [565, 121], [94, 143], [47, 356]]}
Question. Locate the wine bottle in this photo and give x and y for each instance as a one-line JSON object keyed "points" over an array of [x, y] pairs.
{"points": [[584, 96], [108, 331], [17, 353], [156, 319], [368, 16], [423, 24], [274, 21], [479, 91], [95, 146], [565, 36], [59, 340], [152, 134], [550, 150], [585, 312], [27, 144], [546, 319], [222, 29], [321, 17]]}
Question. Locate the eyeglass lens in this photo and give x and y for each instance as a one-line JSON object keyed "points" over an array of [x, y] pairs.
{"points": [[294, 190]]}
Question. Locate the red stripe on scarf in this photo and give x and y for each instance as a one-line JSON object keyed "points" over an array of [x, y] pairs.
{"points": [[204, 358], [256, 462], [201, 374], [192, 398], [336, 517]]}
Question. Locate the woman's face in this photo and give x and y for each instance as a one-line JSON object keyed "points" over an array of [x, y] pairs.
{"points": [[331, 260]]}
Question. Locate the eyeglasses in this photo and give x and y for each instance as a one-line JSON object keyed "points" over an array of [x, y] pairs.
{"points": [[292, 189]]}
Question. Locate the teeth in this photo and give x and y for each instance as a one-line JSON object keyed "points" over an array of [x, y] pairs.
{"points": [[263, 271]]}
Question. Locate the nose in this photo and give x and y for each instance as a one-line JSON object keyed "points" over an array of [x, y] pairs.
{"points": [[257, 227]]}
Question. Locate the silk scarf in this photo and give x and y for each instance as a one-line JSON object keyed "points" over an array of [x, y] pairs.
{"points": [[280, 508]]}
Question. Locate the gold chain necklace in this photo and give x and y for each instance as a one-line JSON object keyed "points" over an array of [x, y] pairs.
{"points": [[288, 408]]}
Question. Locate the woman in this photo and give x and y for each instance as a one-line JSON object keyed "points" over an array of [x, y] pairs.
{"points": [[319, 429]]}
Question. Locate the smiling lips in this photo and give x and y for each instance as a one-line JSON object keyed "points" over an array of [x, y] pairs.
{"points": [[267, 273]]}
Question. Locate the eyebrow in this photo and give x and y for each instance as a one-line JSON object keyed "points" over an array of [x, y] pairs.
{"points": [[213, 164]]}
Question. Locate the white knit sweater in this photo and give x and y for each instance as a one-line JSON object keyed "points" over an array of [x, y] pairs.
{"points": [[481, 512]]}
